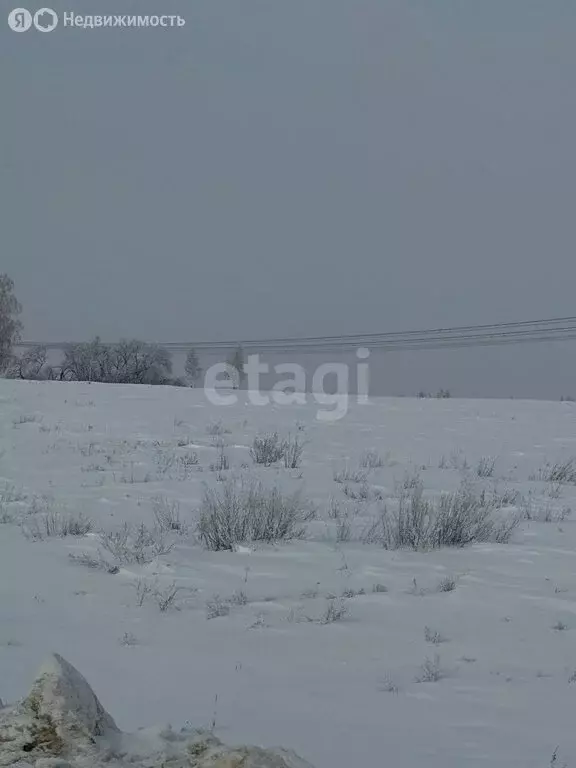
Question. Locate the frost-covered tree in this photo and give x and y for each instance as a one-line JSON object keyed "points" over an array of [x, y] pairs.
{"points": [[136, 362], [192, 367], [87, 361], [236, 363], [31, 365], [10, 325], [127, 362]]}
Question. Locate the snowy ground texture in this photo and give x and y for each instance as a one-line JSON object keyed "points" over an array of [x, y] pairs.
{"points": [[414, 673]]}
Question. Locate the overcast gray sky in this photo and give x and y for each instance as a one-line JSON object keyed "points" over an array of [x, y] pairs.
{"points": [[298, 167]]}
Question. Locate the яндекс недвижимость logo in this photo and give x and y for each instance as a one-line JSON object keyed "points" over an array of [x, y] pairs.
{"points": [[44, 20]]}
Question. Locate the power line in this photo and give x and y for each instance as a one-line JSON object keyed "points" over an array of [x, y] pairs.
{"points": [[528, 331]]}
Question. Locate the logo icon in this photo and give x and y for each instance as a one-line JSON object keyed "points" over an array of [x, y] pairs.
{"points": [[19, 20], [45, 20]]}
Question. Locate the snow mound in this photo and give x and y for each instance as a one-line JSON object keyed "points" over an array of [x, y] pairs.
{"points": [[62, 724], [63, 695]]}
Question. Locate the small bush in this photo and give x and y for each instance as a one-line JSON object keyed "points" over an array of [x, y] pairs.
{"points": [[10, 494], [222, 463], [350, 593], [447, 584], [544, 513], [249, 512], [411, 481], [260, 622], [486, 467], [335, 610], [388, 685], [434, 637], [563, 472], [292, 449], [132, 477], [458, 461], [216, 429], [6, 516], [453, 520], [343, 529], [166, 598], [371, 460], [143, 589], [361, 492], [56, 524], [129, 640], [334, 509], [431, 671], [500, 499], [26, 418], [267, 449], [167, 515], [135, 544], [165, 461], [348, 475], [416, 590], [238, 598], [40, 505], [96, 562], [216, 607], [187, 464]]}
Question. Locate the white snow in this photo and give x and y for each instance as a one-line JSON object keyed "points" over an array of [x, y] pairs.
{"points": [[338, 694]]}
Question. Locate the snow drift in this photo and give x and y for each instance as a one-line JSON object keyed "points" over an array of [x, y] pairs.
{"points": [[62, 724]]}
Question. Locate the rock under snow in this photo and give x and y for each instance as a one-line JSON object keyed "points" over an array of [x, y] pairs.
{"points": [[61, 724]]}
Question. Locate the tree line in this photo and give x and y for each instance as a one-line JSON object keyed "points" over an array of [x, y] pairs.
{"points": [[129, 361]]}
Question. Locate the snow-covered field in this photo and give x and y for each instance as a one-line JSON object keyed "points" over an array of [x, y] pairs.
{"points": [[269, 671]]}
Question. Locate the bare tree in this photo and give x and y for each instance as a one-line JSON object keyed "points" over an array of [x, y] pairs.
{"points": [[10, 325], [136, 362], [31, 365], [88, 361], [192, 367]]}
